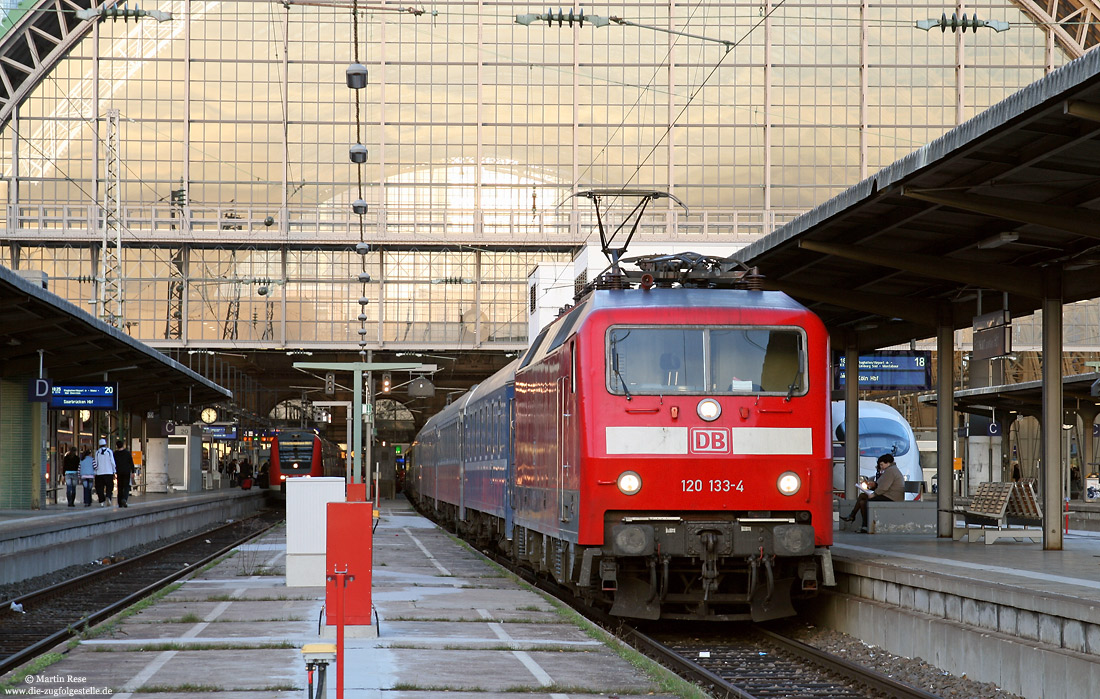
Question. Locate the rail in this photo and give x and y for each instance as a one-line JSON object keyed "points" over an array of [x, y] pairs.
{"points": [[61, 628], [757, 672]]}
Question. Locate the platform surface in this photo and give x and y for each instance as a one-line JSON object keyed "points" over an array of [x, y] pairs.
{"points": [[1006, 567], [448, 621], [14, 522]]}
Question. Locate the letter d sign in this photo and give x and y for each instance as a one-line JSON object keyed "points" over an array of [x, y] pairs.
{"points": [[39, 390]]}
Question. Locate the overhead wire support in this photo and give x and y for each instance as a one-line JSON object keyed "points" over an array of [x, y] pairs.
{"points": [[416, 11], [120, 11], [627, 23], [955, 23], [110, 254], [578, 17]]}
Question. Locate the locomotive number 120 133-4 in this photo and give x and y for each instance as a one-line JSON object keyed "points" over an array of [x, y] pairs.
{"points": [[720, 485]]}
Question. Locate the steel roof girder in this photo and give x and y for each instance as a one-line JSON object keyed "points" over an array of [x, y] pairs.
{"points": [[1043, 18], [1064, 218], [987, 275], [70, 35], [1082, 109], [883, 305]]}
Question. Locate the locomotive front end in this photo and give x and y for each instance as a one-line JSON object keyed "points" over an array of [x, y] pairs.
{"points": [[709, 447]]}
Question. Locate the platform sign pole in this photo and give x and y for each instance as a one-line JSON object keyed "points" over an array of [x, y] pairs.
{"points": [[357, 369], [347, 405], [341, 578], [356, 445]]}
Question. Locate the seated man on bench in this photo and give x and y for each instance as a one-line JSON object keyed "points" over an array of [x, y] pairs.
{"points": [[888, 485]]}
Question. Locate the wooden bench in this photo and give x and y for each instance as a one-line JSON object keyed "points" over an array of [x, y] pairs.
{"points": [[1023, 507], [988, 514]]}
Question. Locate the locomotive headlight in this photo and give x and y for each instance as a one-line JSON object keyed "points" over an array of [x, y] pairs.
{"points": [[629, 483], [709, 409], [789, 483]]}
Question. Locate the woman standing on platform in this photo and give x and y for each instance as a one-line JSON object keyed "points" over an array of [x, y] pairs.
{"points": [[71, 464], [87, 476]]}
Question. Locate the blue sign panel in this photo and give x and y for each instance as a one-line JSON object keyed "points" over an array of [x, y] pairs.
{"points": [[890, 370], [220, 432], [87, 396]]}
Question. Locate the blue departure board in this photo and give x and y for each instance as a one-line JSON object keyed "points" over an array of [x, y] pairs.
{"points": [[890, 370], [86, 396], [221, 432]]}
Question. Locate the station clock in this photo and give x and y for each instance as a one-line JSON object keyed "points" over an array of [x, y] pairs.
{"points": [[209, 415]]}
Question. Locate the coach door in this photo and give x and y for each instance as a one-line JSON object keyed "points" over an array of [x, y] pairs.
{"points": [[566, 435]]}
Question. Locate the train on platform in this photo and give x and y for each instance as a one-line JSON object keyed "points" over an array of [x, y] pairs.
{"points": [[882, 430], [663, 448], [300, 452]]}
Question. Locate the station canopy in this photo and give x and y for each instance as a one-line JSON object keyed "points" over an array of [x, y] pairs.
{"points": [[1004, 208], [77, 347], [1025, 399]]}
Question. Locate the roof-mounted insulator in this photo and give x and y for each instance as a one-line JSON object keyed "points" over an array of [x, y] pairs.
{"points": [[754, 280], [610, 281]]}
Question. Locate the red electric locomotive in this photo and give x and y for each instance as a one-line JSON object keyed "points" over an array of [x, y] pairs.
{"points": [[670, 456], [301, 452]]}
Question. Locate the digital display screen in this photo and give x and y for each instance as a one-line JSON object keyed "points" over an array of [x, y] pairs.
{"points": [[87, 396], [227, 432], [890, 370]]}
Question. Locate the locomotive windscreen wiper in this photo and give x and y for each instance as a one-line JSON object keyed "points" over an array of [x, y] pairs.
{"points": [[797, 381], [622, 381], [615, 367]]}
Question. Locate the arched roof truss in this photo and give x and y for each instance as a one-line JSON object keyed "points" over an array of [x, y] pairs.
{"points": [[38, 39], [1075, 23]]}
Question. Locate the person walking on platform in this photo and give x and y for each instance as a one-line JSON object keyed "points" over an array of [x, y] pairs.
{"points": [[87, 476], [124, 468], [888, 485], [71, 465], [104, 473]]}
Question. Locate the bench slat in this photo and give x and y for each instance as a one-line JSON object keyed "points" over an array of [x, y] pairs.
{"points": [[1023, 504]]}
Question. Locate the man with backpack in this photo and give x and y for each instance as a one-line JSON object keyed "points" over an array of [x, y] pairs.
{"points": [[104, 461]]}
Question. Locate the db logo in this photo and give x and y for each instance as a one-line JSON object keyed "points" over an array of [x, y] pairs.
{"points": [[710, 440]]}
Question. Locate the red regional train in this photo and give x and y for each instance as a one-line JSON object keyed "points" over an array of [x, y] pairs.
{"points": [[663, 451], [302, 452]]}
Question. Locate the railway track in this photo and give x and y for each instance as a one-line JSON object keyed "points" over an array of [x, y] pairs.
{"points": [[758, 664], [751, 663], [53, 614]]}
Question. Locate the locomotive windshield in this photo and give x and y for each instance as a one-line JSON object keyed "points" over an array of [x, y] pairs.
{"points": [[720, 360]]}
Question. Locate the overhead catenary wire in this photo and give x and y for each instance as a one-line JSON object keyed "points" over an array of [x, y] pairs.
{"points": [[691, 96]]}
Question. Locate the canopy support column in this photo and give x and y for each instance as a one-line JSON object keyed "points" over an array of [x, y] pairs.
{"points": [[945, 429], [1051, 471]]}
